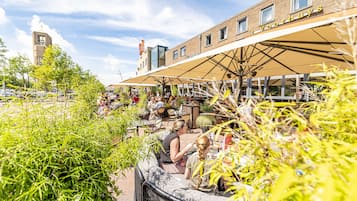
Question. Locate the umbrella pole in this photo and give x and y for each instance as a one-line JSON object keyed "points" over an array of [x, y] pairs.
{"points": [[240, 85]]}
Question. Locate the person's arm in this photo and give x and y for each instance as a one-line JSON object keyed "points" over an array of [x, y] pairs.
{"points": [[188, 168], [187, 172], [175, 153]]}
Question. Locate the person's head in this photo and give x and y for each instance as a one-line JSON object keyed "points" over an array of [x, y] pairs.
{"points": [[203, 142], [152, 99], [180, 126]]}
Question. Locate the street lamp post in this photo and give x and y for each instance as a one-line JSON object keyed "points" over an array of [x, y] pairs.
{"points": [[121, 75]]}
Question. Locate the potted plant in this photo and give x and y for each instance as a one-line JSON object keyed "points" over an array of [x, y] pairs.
{"points": [[205, 121]]}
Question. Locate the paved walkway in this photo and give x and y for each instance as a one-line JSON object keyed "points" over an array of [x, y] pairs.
{"points": [[126, 186], [126, 183]]}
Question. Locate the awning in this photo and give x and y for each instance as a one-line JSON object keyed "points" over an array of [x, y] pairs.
{"points": [[133, 84], [296, 48], [152, 79]]}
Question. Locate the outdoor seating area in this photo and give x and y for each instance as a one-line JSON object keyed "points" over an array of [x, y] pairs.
{"points": [[151, 180], [151, 177], [258, 101], [178, 100]]}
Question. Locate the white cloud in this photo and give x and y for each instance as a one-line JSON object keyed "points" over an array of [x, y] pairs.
{"points": [[156, 41], [109, 69], [38, 25], [110, 7], [132, 42], [175, 20], [114, 64], [124, 41], [22, 44], [3, 18], [168, 17], [115, 69], [108, 78], [120, 69]]}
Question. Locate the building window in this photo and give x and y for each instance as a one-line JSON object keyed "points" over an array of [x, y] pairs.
{"points": [[39, 60], [183, 51], [223, 33], [242, 25], [299, 4], [267, 15], [41, 40], [175, 55], [208, 40]]}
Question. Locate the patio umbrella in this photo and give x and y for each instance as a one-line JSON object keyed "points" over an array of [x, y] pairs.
{"points": [[163, 80], [297, 48], [151, 78]]}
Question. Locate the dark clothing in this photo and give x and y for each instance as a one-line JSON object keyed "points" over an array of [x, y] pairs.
{"points": [[165, 154]]}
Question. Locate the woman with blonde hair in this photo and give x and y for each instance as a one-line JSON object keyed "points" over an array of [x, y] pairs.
{"points": [[172, 158], [197, 163]]}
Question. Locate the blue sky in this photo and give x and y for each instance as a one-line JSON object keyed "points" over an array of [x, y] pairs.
{"points": [[103, 35]]}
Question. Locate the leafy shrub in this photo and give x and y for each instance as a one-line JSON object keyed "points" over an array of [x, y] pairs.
{"points": [[49, 152], [294, 151]]}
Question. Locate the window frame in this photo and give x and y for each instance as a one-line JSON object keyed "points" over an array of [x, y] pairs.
{"points": [[39, 60], [175, 54], [225, 35], [41, 39], [184, 52], [239, 22], [273, 14], [293, 9], [210, 40]]}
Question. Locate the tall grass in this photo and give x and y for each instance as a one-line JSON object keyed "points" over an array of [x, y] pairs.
{"points": [[51, 151]]}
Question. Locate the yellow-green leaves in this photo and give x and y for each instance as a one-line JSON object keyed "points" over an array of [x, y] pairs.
{"points": [[199, 170], [294, 151], [51, 152], [214, 100], [281, 186], [352, 183], [226, 94]]}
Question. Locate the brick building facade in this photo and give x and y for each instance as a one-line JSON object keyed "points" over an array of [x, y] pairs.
{"points": [[40, 41], [265, 16]]}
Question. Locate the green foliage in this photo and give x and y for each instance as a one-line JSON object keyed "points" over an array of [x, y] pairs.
{"points": [[125, 98], [52, 152], [336, 115], [204, 121], [87, 95], [3, 50], [20, 66], [58, 71], [3, 60], [206, 107], [174, 90], [154, 90], [180, 100], [293, 151]]}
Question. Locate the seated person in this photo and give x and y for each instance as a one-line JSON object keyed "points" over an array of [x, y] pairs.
{"points": [[159, 103], [199, 181], [171, 157], [151, 107]]}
